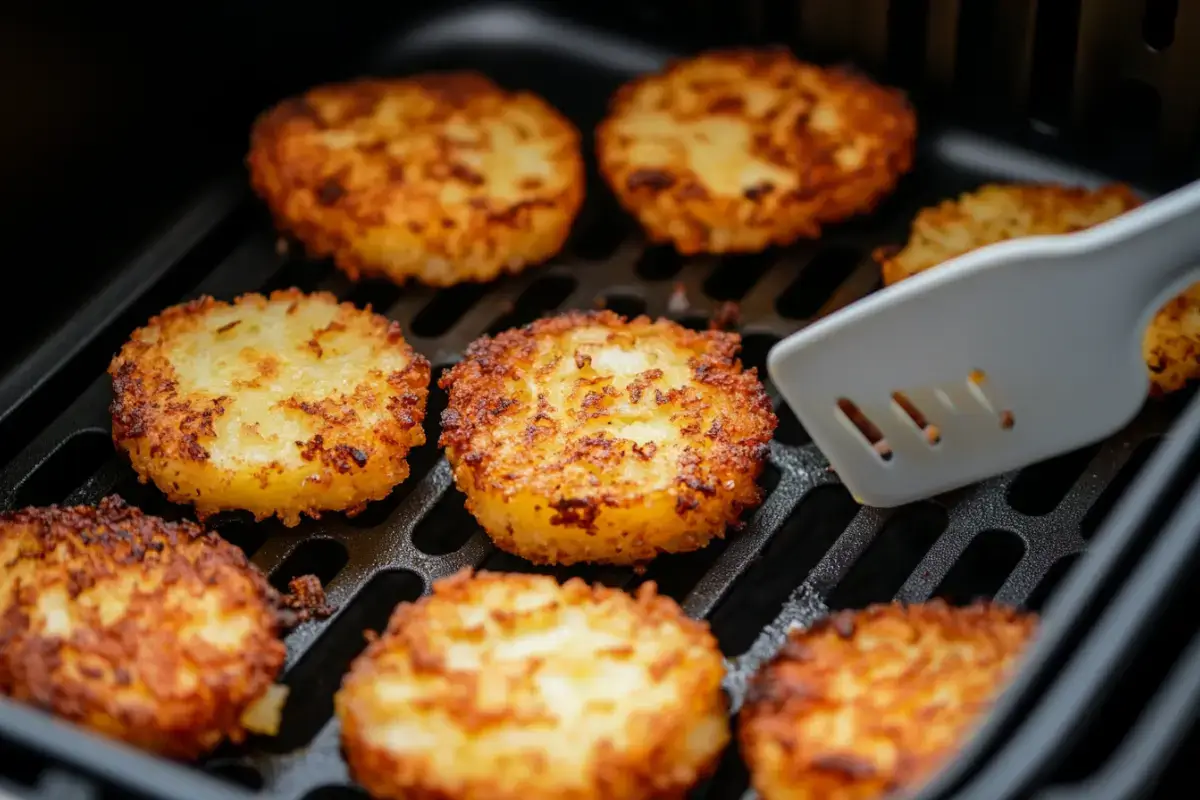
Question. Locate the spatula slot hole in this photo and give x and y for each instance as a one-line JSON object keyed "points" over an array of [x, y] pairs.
{"points": [[853, 417], [908, 410], [977, 385]]}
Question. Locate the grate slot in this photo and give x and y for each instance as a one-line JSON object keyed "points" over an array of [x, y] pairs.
{"points": [[500, 561], [736, 275], [1056, 33], [1158, 23], [148, 498], [302, 273], [379, 295], [236, 772], [71, 465], [317, 676], [627, 305], [324, 558], [1104, 505], [831, 266], [877, 575], [982, 568], [542, 296], [1038, 489], [755, 347], [446, 308], [790, 431], [447, 527], [1050, 582], [694, 321], [803, 539], [245, 535], [600, 229], [658, 263]]}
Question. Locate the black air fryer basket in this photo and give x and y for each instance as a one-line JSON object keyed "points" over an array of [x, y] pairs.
{"points": [[1078, 92]]}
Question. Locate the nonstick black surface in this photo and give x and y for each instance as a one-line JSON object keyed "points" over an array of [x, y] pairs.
{"points": [[809, 549]]}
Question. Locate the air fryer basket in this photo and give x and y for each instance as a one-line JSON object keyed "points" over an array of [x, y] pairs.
{"points": [[807, 550]]}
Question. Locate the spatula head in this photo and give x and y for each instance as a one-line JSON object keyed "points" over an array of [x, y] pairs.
{"points": [[992, 362]]}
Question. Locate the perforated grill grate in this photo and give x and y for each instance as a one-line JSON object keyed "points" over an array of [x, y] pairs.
{"points": [[807, 549], [1006, 538]]}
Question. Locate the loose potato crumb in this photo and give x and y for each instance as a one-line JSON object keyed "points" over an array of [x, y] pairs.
{"points": [[286, 405], [867, 703], [586, 437], [265, 714], [997, 212], [441, 178], [734, 151], [154, 633], [512, 687]]}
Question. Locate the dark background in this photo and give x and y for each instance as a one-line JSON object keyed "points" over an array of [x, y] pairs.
{"points": [[113, 119]]}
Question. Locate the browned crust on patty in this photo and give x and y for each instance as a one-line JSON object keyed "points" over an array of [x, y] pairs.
{"points": [[558, 481], [136, 666], [441, 178], [489, 730], [204, 378], [734, 151], [997, 212], [865, 703]]}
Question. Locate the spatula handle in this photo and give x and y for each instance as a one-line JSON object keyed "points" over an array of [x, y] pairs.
{"points": [[1150, 253]]}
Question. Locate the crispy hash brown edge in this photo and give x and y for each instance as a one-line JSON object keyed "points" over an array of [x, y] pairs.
{"points": [[798, 681], [330, 216], [182, 727], [146, 410], [478, 397], [614, 774], [1047, 201], [678, 209]]}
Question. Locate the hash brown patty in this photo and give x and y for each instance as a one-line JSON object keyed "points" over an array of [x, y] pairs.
{"points": [[734, 151], [442, 178], [866, 703], [151, 632], [587, 437], [283, 405], [512, 687], [997, 212]]}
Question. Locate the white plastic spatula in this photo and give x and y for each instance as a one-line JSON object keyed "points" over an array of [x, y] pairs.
{"points": [[1010, 354]]}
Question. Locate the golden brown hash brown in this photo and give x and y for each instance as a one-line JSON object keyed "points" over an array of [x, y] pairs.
{"points": [[443, 178], [512, 687], [586, 437], [288, 405], [151, 632], [997, 212], [734, 151], [866, 703]]}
